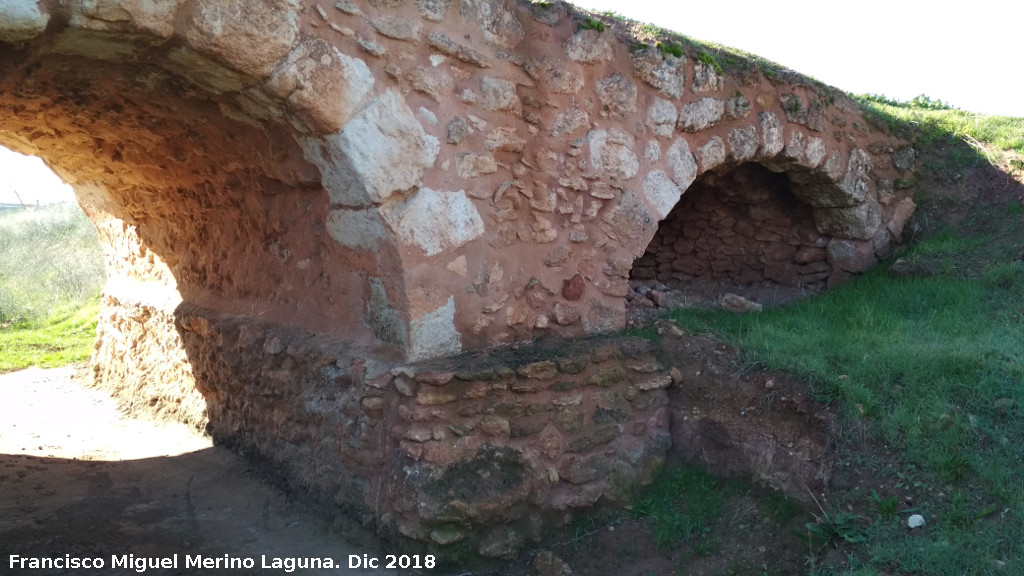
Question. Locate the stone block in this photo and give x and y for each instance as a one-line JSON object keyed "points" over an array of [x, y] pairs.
{"points": [[582, 470], [21, 20], [656, 383], [545, 370], [498, 94], [617, 95], [434, 83], [446, 45], [588, 47], [666, 73], [743, 143], [858, 222], [570, 420], [851, 255], [433, 10], [701, 115], [662, 117], [435, 222], [609, 415], [382, 150], [607, 377], [612, 151], [250, 36], [572, 365], [435, 396], [706, 78], [495, 426], [398, 28]]}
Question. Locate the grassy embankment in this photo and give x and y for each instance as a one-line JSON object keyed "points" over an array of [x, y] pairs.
{"points": [[927, 371], [51, 273]]}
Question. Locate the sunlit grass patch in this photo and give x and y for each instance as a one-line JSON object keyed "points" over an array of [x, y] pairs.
{"points": [[63, 338], [51, 274]]}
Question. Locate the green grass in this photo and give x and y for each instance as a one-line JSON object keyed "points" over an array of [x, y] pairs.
{"points": [[723, 59], [999, 140], [592, 24], [932, 367], [63, 338], [684, 504], [51, 274]]}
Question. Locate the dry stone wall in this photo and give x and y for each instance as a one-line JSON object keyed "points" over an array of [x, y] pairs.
{"points": [[743, 228], [479, 453], [299, 201]]}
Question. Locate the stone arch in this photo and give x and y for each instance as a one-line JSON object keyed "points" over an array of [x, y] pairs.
{"points": [[206, 142], [809, 216], [250, 265]]}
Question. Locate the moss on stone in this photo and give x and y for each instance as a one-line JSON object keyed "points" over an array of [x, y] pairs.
{"points": [[592, 24], [607, 377], [493, 471], [709, 60], [670, 48]]}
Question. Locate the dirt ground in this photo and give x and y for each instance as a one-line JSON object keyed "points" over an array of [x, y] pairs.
{"points": [[77, 479]]}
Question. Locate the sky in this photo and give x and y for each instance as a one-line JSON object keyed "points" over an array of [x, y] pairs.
{"points": [[966, 54], [26, 180]]}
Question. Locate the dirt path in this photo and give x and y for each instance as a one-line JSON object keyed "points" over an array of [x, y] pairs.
{"points": [[79, 481]]}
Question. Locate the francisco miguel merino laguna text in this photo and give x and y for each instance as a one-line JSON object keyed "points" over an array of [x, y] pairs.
{"points": [[140, 564]]}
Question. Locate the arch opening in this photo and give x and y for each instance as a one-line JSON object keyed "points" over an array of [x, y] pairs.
{"points": [[741, 230], [205, 217], [51, 268], [227, 294]]}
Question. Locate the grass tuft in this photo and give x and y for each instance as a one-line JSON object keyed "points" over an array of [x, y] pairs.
{"points": [[592, 24], [683, 504], [64, 337]]}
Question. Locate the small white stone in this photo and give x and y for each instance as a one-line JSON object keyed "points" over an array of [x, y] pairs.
{"points": [[436, 59], [428, 115], [348, 32], [915, 521]]}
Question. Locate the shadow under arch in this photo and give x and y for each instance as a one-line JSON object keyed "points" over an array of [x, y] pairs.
{"points": [[739, 229]]}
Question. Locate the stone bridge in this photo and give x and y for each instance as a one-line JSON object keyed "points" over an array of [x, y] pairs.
{"points": [[313, 214]]}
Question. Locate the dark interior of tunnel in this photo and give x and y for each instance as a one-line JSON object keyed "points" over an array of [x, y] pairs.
{"points": [[736, 230]]}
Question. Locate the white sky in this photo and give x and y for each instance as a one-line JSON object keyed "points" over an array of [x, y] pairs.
{"points": [[29, 178], [967, 54], [964, 53]]}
